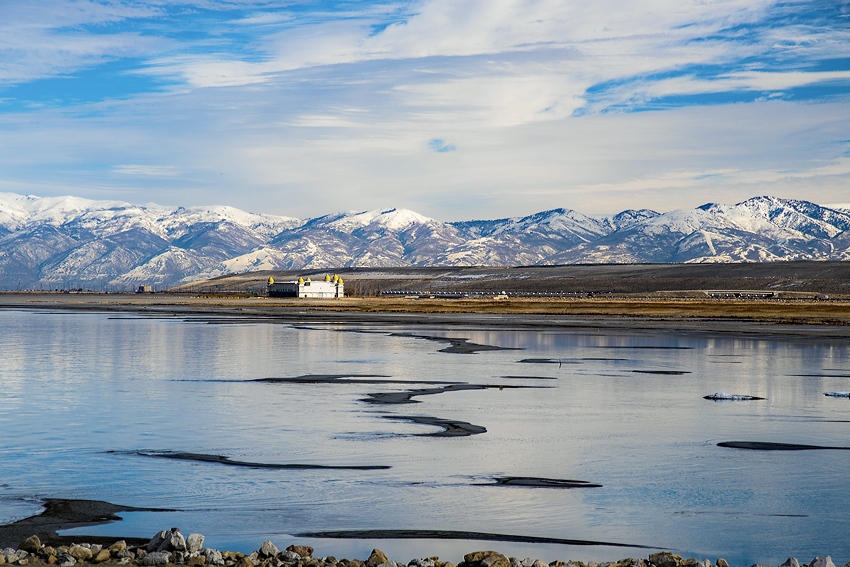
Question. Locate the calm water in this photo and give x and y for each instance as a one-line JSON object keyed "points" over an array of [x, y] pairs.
{"points": [[81, 393]]}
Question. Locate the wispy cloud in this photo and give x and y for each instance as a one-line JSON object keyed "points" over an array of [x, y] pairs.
{"points": [[146, 170]]}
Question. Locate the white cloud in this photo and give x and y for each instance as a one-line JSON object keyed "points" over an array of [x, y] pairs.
{"points": [[147, 170]]}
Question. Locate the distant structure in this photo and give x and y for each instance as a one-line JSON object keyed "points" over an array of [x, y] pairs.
{"points": [[144, 289], [329, 288]]}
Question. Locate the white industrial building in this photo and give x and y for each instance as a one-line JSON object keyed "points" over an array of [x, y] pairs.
{"points": [[329, 288]]}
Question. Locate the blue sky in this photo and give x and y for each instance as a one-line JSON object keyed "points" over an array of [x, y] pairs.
{"points": [[457, 109]]}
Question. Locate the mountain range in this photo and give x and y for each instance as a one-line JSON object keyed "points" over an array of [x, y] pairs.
{"points": [[70, 242]]}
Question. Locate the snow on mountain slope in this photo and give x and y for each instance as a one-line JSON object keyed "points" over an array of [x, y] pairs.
{"points": [[757, 230], [68, 241]]}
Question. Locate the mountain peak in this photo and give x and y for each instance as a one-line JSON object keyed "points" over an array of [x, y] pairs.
{"points": [[98, 244]]}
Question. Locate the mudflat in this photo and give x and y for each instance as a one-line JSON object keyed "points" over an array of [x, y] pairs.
{"points": [[801, 317]]}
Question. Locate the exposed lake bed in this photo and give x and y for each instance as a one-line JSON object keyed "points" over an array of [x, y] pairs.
{"points": [[263, 392]]}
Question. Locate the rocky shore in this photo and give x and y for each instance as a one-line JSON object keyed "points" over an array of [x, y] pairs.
{"points": [[170, 547]]}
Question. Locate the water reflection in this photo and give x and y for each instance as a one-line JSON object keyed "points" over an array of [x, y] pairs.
{"points": [[84, 393]]}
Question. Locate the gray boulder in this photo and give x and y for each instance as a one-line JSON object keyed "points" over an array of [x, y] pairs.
{"points": [[791, 562], [157, 558], [194, 543], [213, 557], [65, 560], [290, 556], [268, 549], [176, 542], [157, 540], [825, 561]]}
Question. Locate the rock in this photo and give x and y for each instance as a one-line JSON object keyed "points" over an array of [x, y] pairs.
{"points": [[194, 543], [538, 563], [102, 555], [703, 563], [791, 562], [119, 545], [268, 549], [721, 563], [290, 556], [485, 559], [157, 540], [80, 553], [246, 562], [421, 563], [825, 561], [666, 559], [197, 561], [376, 558], [31, 545], [303, 551], [157, 558], [174, 541], [65, 560], [213, 557]]}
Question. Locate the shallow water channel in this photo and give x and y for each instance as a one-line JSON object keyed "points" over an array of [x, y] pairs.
{"points": [[395, 428]]}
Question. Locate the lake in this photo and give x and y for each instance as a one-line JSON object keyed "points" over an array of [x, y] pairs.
{"points": [[93, 403]]}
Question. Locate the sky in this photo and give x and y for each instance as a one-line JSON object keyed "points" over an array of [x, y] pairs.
{"points": [[457, 109]]}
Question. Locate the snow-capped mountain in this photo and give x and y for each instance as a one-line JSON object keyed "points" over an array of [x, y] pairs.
{"points": [[69, 242]]}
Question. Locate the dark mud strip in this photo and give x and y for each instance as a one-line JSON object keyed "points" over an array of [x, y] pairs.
{"points": [[536, 482], [562, 361], [456, 346], [472, 536], [557, 361], [821, 375], [451, 427], [716, 513], [407, 397], [731, 398], [649, 347], [663, 372], [226, 461], [60, 514], [530, 377], [761, 446], [345, 379]]}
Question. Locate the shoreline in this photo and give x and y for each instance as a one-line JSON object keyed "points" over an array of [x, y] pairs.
{"points": [[797, 318], [35, 541]]}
